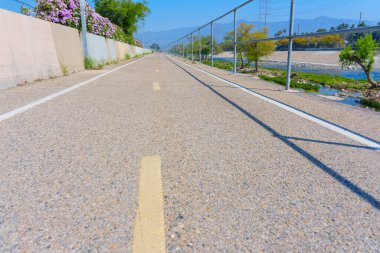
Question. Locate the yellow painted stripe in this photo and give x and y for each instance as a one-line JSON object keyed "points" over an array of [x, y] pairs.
{"points": [[149, 230], [156, 86]]}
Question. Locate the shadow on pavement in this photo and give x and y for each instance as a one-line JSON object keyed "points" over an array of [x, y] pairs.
{"points": [[328, 142], [339, 178]]}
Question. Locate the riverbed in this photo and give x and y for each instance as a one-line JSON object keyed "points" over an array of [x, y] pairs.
{"points": [[355, 73]]}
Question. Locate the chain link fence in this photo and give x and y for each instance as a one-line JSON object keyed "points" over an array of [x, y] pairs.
{"points": [[255, 34]]}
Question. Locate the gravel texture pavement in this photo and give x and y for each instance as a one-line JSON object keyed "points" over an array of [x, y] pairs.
{"points": [[238, 174]]}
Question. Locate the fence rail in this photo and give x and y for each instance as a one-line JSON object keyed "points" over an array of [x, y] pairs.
{"points": [[179, 44]]}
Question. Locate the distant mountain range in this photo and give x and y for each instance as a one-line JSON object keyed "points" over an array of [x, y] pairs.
{"points": [[164, 38]]}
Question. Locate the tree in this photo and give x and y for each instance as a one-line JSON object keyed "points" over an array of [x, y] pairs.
{"points": [[376, 35], [256, 50], [205, 47], [124, 13], [228, 42], [321, 30], [242, 34], [363, 55], [155, 47], [343, 26], [279, 33]]}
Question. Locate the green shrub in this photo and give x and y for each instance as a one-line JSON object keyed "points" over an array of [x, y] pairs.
{"points": [[370, 103], [220, 64], [293, 84]]}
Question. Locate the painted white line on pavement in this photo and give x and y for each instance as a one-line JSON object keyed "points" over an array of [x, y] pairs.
{"points": [[27, 107], [328, 125]]}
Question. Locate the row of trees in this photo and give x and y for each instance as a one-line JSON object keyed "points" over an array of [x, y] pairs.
{"points": [[247, 52], [335, 41], [201, 46], [330, 41]]}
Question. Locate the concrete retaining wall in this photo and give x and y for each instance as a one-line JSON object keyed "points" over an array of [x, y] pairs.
{"points": [[68, 48], [104, 50], [27, 50], [33, 49]]}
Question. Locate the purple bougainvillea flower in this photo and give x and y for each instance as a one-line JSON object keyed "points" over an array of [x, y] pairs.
{"points": [[67, 12]]}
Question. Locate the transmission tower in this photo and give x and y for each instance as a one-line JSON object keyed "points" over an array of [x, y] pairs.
{"points": [[264, 12]]}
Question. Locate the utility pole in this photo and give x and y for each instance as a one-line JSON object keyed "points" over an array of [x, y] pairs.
{"points": [[84, 27], [290, 49], [235, 42], [212, 44], [360, 19]]}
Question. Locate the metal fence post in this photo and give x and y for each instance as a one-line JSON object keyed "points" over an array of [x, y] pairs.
{"points": [[186, 50], [192, 47], [84, 27], [200, 46], [183, 50], [235, 42], [212, 44], [290, 49]]}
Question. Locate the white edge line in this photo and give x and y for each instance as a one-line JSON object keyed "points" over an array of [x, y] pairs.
{"points": [[27, 107], [327, 125]]}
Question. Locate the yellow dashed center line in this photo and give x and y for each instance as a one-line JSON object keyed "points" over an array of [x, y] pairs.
{"points": [[156, 86], [149, 230]]}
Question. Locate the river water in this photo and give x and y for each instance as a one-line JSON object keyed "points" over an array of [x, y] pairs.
{"points": [[355, 74], [318, 69]]}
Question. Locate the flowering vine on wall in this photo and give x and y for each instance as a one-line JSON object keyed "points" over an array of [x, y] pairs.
{"points": [[67, 12]]}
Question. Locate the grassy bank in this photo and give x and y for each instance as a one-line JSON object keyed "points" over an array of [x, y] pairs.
{"points": [[220, 64], [309, 81], [293, 84], [332, 81]]}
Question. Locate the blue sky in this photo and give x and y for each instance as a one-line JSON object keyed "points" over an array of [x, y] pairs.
{"points": [[169, 14]]}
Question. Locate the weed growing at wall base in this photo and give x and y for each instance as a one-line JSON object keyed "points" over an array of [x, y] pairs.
{"points": [[64, 69], [127, 56], [90, 63]]}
